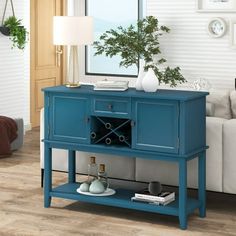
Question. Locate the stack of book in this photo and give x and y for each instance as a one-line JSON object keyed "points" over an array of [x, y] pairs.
{"points": [[162, 199], [111, 85]]}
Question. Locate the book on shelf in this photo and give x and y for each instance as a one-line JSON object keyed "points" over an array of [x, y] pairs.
{"points": [[158, 203], [111, 85], [162, 197]]}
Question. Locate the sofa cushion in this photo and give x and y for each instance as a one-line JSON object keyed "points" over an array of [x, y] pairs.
{"points": [[233, 103], [221, 101], [210, 109]]}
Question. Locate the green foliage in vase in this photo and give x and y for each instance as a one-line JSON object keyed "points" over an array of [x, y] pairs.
{"points": [[18, 33], [140, 41]]}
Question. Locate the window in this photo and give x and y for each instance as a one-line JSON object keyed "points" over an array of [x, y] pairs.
{"points": [[109, 14]]}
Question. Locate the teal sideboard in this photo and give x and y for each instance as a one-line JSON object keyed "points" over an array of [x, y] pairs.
{"points": [[167, 125]]}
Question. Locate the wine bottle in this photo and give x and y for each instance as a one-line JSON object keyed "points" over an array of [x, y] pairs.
{"points": [[110, 141], [123, 138], [92, 169], [108, 125], [102, 175], [96, 135], [93, 135], [124, 135]]}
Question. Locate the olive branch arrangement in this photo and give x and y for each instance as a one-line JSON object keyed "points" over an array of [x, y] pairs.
{"points": [[140, 41]]}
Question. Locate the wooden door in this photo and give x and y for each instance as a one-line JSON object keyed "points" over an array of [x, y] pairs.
{"points": [[46, 68], [156, 125]]}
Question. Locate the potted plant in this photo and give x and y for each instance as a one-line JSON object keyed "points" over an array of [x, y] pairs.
{"points": [[140, 41], [18, 34], [5, 30]]}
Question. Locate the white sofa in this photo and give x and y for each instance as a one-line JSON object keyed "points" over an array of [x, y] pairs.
{"points": [[221, 156]]}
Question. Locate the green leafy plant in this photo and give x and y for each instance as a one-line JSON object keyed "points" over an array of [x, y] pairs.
{"points": [[140, 41], [18, 33]]}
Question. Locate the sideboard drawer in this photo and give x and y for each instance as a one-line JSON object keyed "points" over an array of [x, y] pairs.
{"points": [[111, 106]]}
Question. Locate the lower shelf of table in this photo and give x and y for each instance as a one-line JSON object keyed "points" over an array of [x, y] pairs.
{"points": [[122, 198]]}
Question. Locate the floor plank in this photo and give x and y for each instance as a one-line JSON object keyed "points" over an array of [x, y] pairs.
{"points": [[22, 211]]}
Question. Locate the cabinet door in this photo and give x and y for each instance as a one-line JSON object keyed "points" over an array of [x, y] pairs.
{"points": [[69, 119], [156, 125]]}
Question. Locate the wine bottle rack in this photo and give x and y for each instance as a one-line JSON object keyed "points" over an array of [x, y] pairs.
{"points": [[111, 131]]}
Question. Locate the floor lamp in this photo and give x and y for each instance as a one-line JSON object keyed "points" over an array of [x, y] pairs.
{"points": [[72, 31]]}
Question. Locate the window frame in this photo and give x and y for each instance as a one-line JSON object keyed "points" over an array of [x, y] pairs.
{"points": [[140, 16]]}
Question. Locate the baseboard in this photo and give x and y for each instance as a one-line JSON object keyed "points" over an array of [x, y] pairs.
{"points": [[27, 127]]}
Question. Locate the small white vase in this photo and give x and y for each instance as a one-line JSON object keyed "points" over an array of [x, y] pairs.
{"points": [[141, 74], [150, 83]]}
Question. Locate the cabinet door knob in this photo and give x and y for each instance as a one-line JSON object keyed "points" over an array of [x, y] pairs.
{"points": [[132, 123], [110, 106]]}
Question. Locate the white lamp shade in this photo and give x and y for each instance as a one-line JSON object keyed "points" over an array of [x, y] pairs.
{"points": [[72, 30]]}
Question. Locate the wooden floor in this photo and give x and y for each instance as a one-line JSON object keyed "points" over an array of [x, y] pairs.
{"points": [[22, 211]]}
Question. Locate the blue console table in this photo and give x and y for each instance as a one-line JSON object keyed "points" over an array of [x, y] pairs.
{"points": [[167, 125]]}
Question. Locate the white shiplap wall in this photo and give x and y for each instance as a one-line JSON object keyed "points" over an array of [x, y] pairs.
{"points": [[14, 69], [189, 46]]}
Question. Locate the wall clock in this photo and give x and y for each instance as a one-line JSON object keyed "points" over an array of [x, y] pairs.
{"points": [[216, 27]]}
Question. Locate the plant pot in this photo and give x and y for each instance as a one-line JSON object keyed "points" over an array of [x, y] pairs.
{"points": [[150, 82], [141, 74], [5, 30]]}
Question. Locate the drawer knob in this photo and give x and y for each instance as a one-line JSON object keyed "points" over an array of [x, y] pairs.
{"points": [[110, 106]]}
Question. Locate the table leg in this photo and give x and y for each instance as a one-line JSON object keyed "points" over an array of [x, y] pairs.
{"points": [[47, 175], [71, 166], [202, 183], [183, 193]]}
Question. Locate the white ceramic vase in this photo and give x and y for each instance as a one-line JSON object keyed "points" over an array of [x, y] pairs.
{"points": [[150, 82], [141, 74]]}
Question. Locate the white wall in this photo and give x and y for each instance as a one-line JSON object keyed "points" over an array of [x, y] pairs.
{"points": [[189, 45], [14, 69]]}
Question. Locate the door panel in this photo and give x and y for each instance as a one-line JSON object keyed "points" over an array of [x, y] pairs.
{"points": [[69, 119], [156, 125], [44, 68], [45, 10]]}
